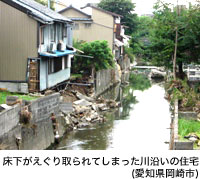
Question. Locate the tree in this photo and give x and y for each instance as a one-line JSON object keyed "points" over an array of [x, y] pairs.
{"points": [[171, 31], [45, 3], [124, 8], [101, 53], [140, 39]]}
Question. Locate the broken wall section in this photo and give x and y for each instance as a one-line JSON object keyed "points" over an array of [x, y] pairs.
{"points": [[39, 133]]}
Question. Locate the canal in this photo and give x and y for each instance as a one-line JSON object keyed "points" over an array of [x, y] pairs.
{"points": [[140, 123]]}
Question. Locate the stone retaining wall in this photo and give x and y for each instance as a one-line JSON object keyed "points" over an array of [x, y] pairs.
{"points": [[105, 79], [175, 143], [9, 119], [39, 133]]}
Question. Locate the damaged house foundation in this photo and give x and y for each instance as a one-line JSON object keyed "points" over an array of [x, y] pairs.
{"points": [[35, 48]]}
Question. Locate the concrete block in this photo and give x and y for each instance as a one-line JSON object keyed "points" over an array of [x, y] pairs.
{"points": [[10, 100], [15, 87], [187, 115], [183, 146]]}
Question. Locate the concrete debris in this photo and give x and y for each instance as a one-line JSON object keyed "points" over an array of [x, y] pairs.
{"points": [[82, 102], [83, 124], [112, 103], [49, 92], [81, 96], [12, 100], [81, 109], [4, 107]]}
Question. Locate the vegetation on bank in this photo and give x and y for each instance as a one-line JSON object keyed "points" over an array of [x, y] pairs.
{"points": [[188, 97], [3, 96], [186, 127]]}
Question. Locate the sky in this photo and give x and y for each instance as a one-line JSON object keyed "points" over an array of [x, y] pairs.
{"points": [[142, 6]]}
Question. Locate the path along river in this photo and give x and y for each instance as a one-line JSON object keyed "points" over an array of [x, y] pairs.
{"points": [[140, 122]]}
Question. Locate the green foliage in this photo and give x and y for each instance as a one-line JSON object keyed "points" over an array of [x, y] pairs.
{"points": [[129, 52], [180, 90], [124, 8], [163, 35], [140, 42], [3, 96], [45, 3], [101, 53], [186, 127], [155, 38]]}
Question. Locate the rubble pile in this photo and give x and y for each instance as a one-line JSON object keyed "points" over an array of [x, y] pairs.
{"points": [[87, 110]]}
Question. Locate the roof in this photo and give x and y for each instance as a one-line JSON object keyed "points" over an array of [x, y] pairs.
{"points": [[71, 7], [37, 11], [92, 5], [80, 19]]}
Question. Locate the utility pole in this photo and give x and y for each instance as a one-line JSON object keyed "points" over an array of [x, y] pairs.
{"points": [[176, 44]]}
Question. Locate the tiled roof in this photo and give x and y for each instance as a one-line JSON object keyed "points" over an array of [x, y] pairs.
{"points": [[71, 7], [41, 12]]}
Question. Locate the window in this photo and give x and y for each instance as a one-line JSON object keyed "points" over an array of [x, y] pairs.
{"points": [[50, 66], [76, 26], [42, 35], [54, 65], [87, 25], [64, 31], [53, 33]]}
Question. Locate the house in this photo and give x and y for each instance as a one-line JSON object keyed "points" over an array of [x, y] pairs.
{"points": [[98, 24], [35, 52], [59, 5]]}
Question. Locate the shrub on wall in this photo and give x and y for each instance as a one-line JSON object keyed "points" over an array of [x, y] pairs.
{"points": [[101, 53]]}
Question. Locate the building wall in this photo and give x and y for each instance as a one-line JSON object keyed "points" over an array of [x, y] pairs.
{"points": [[18, 37], [59, 6], [95, 32], [72, 13], [102, 18], [101, 28]]}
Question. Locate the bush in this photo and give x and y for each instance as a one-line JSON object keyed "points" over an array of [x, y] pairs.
{"points": [[101, 53], [180, 90]]}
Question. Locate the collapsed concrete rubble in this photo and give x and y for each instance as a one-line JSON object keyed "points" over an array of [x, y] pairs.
{"points": [[87, 111]]}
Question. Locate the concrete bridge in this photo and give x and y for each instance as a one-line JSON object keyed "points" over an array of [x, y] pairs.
{"points": [[146, 67]]}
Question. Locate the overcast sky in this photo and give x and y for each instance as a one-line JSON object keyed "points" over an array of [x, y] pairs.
{"points": [[142, 6]]}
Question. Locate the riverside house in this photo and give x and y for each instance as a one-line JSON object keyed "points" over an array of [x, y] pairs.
{"points": [[35, 48], [96, 24]]}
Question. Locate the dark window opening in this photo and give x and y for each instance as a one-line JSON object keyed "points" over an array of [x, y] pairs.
{"points": [[53, 33], [64, 31], [57, 64], [42, 35], [54, 65]]}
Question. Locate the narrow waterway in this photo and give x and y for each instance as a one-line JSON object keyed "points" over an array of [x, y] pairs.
{"points": [[140, 123]]}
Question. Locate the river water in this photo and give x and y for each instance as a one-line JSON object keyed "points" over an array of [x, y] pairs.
{"points": [[140, 123]]}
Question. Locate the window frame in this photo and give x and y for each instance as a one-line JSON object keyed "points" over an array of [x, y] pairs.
{"points": [[42, 35]]}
